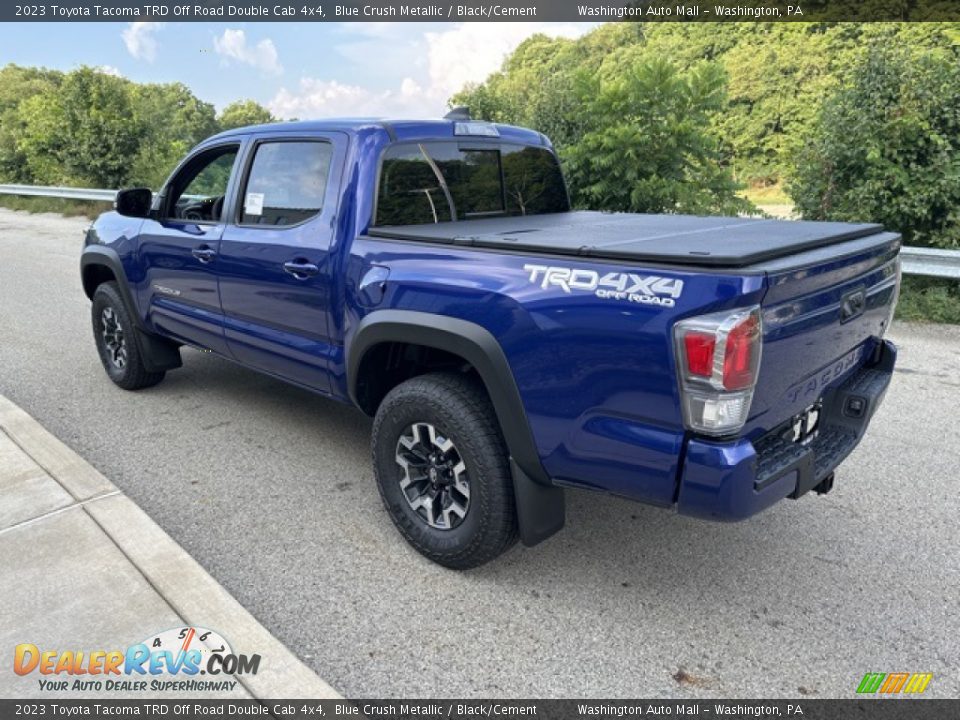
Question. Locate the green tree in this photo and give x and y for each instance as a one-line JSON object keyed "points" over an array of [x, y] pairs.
{"points": [[538, 85], [778, 74], [607, 97], [173, 120], [17, 85], [83, 133], [39, 144], [243, 112], [647, 145], [886, 147], [100, 132]]}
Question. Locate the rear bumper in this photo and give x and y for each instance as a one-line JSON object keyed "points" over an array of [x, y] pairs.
{"points": [[734, 480]]}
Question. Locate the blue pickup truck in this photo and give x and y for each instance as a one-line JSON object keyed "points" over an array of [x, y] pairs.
{"points": [[433, 274]]}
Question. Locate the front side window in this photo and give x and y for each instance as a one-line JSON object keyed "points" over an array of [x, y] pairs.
{"points": [[286, 183], [443, 181], [198, 190]]}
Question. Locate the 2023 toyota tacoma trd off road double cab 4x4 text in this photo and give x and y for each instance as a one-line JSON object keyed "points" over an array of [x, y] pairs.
{"points": [[432, 274]]}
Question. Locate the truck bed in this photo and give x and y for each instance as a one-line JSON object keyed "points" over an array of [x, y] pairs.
{"points": [[673, 239]]}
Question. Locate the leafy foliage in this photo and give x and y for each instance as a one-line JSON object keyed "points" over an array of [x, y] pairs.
{"points": [[172, 121], [17, 85], [887, 148], [924, 299], [609, 97], [645, 143], [243, 112], [777, 79], [88, 128]]}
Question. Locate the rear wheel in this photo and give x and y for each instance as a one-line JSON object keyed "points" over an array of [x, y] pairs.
{"points": [[442, 470], [113, 333]]}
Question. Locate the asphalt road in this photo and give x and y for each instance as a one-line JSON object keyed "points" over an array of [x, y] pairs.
{"points": [[270, 488]]}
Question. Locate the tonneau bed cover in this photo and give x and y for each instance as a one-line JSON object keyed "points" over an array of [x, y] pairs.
{"points": [[674, 239]]}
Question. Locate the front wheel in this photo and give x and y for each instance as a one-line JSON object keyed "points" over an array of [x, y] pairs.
{"points": [[442, 469], [113, 333]]}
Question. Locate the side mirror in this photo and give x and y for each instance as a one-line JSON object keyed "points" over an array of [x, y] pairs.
{"points": [[134, 202]]}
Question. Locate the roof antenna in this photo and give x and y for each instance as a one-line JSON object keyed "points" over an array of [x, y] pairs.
{"points": [[461, 112]]}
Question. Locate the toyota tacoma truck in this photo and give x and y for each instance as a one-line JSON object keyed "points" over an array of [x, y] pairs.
{"points": [[433, 274]]}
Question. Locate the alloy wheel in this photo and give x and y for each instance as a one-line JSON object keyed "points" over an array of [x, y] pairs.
{"points": [[433, 476], [113, 338]]}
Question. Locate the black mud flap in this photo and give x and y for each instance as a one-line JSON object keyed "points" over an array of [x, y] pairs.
{"points": [[158, 354], [541, 509]]}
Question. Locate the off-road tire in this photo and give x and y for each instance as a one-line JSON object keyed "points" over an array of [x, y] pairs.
{"points": [[458, 407], [132, 375]]}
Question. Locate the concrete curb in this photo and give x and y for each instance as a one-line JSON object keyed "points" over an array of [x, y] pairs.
{"points": [[189, 590]]}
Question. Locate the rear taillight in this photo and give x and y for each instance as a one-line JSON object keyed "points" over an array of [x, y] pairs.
{"points": [[718, 357]]}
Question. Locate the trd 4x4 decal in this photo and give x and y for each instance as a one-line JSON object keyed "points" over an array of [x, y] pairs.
{"points": [[646, 289]]}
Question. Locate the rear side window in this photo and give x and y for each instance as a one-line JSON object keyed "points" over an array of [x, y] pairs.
{"points": [[412, 190], [474, 179], [442, 181], [533, 182], [286, 183]]}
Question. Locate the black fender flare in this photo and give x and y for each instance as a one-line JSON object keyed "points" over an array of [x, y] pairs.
{"points": [[98, 255], [159, 354], [540, 503]]}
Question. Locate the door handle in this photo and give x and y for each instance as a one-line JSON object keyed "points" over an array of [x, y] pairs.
{"points": [[204, 253], [300, 269]]}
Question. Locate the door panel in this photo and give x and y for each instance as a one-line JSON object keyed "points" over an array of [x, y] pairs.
{"points": [[274, 262], [179, 250], [182, 298]]}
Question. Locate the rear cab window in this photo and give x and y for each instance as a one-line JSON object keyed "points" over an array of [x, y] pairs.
{"points": [[435, 182]]}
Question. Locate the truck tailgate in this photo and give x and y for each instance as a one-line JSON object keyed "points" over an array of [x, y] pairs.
{"points": [[823, 315]]}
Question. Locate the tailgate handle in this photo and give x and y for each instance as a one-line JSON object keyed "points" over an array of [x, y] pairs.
{"points": [[852, 305]]}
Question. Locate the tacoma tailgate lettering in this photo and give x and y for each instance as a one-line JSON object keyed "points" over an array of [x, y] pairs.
{"points": [[817, 382]]}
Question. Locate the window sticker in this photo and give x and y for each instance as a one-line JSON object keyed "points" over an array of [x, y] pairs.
{"points": [[253, 205]]}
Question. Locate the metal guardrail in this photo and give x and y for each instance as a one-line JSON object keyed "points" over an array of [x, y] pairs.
{"points": [[930, 262], [68, 193]]}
